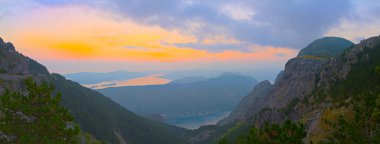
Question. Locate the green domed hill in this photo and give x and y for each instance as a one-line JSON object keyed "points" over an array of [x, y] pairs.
{"points": [[325, 48]]}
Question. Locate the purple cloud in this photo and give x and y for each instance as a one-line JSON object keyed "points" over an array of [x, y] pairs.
{"points": [[292, 23]]}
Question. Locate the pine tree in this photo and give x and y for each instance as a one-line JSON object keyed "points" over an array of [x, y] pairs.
{"points": [[287, 133], [364, 126], [35, 117]]}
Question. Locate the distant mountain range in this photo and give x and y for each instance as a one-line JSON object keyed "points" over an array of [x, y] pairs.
{"points": [[186, 80], [93, 77], [188, 96], [89, 78]]}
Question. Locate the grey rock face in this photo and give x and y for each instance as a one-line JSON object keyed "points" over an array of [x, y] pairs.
{"points": [[303, 79], [15, 68], [8, 138], [12, 62], [279, 76], [338, 68], [243, 110], [299, 79]]}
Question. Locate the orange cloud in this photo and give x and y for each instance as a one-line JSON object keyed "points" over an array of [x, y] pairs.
{"points": [[76, 33]]}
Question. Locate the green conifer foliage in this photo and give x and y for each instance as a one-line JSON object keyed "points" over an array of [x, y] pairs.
{"points": [[364, 125], [287, 133], [36, 117]]}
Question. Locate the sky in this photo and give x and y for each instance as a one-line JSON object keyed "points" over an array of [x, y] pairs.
{"points": [[254, 37]]}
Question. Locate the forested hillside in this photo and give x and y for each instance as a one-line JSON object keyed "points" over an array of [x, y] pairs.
{"points": [[95, 113]]}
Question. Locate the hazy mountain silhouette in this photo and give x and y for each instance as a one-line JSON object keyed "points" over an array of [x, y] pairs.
{"points": [[186, 96]]}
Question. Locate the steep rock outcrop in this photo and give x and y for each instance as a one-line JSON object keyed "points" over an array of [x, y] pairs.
{"points": [[302, 91], [336, 69], [316, 65], [13, 62], [242, 111], [278, 77], [14, 67], [299, 79], [305, 80], [301, 76]]}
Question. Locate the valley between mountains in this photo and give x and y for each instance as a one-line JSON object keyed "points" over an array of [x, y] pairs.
{"points": [[328, 93]]}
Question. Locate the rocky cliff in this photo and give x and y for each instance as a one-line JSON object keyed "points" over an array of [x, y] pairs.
{"points": [[302, 91], [243, 110], [15, 67], [300, 78]]}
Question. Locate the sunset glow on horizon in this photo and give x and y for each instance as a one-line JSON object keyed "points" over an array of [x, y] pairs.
{"points": [[86, 31], [85, 35]]}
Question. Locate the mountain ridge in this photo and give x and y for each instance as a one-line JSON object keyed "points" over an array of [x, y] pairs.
{"points": [[97, 77], [186, 80], [212, 95], [95, 113], [262, 89], [302, 92]]}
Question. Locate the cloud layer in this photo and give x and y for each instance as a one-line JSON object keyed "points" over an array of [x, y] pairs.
{"points": [[259, 35], [292, 23]]}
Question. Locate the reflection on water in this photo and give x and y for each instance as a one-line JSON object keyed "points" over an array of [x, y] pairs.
{"points": [[153, 79], [194, 122]]}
